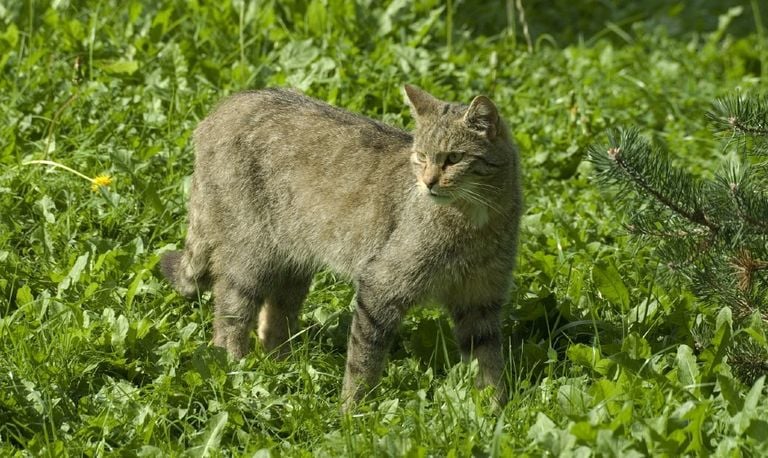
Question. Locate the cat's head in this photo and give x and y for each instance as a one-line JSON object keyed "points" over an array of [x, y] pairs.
{"points": [[461, 154]]}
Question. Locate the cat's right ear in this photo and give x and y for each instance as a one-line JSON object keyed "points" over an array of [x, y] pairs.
{"points": [[420, 101], [483, 116]]}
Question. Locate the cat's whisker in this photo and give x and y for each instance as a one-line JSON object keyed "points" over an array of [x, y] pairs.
{"points": [[473, 196], [487, 186], [485, 199], [473, 200]]}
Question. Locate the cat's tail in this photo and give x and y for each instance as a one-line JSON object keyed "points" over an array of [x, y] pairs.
{"points": [[186, 270]]}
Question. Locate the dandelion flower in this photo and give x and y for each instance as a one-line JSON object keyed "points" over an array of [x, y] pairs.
{"points": [[100, 181], [97, 182]]}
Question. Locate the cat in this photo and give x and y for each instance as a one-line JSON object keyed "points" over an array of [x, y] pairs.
{"points": [[284, 185]]}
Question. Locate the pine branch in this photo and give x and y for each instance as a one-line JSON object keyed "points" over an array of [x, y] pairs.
{"points": [[630, 159], [748, 363], [742, 205], [714, 282], [742, 115], [750, 205], [746, 267], [688, 252], [650, 222]]}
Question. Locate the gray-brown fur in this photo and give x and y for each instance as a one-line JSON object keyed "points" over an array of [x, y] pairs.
{"points": [[284, 185]]}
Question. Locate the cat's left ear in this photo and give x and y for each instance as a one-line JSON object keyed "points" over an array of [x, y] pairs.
{"points": [[421, 102], [482, 116]]}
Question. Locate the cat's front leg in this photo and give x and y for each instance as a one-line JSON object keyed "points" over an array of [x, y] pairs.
{"points": [[478, 335], [374, 326]]}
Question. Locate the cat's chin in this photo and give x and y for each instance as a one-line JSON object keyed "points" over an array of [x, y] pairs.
{"points": [[440, 200]]}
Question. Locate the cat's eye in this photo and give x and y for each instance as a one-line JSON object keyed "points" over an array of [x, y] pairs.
{"points": [[421, 157], [453, 158]]}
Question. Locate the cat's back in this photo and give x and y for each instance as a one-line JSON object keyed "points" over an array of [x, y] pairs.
{"points": [[282, 136], [316, 178], [287, 115]]}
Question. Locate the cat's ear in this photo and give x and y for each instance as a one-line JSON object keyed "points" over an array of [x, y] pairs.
{"points": [[420, 101], [482, 116]]}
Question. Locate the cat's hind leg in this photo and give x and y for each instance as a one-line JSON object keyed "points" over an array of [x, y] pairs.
{"points": [[279, 315], [236, 309]]}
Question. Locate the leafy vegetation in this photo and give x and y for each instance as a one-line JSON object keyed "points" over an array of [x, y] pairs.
{"points": [[98, 355], [708, 231]]}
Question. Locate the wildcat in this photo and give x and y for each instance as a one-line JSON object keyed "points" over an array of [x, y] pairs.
{"points": [[284, 185]]}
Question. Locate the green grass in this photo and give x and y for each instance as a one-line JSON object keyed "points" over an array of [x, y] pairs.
{"points": [[99, 356]]}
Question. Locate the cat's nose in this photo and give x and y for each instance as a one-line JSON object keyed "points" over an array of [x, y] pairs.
{"points": [[430, 179]]}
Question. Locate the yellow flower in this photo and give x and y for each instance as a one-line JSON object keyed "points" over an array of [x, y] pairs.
{"points": [[97, 182], [100, 181]]}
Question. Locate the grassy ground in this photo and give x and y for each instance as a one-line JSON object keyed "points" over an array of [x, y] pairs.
{"points": [[99, 356]]}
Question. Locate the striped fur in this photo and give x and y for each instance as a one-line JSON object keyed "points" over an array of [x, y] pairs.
{"points": [[284, 185]]}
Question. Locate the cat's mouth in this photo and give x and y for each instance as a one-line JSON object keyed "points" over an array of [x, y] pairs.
{"points": [[440, 199]]}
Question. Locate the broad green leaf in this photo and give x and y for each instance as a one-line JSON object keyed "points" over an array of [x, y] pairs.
{"points": [[697, 417], [541, 427], [756, 329], [605, 366], [119, 331], [643, 312], [317, 17], [758, 430], [590, 357], [610, 285], [546, 434], [388, 410], [721, 343], [604, 390], [584, 431], [742, 420], [723, 327], [10, 36], [608, 444], [636, 346], [186, 332], [687, 370], [750, 402], [625, 417], [47, 207], [149, 451], [133, 287], [24, 296], [121, 67], [584, 355], [299, 55], [573, 400], [386, 18], [74, 273], [732, 398], [211, 436]]}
